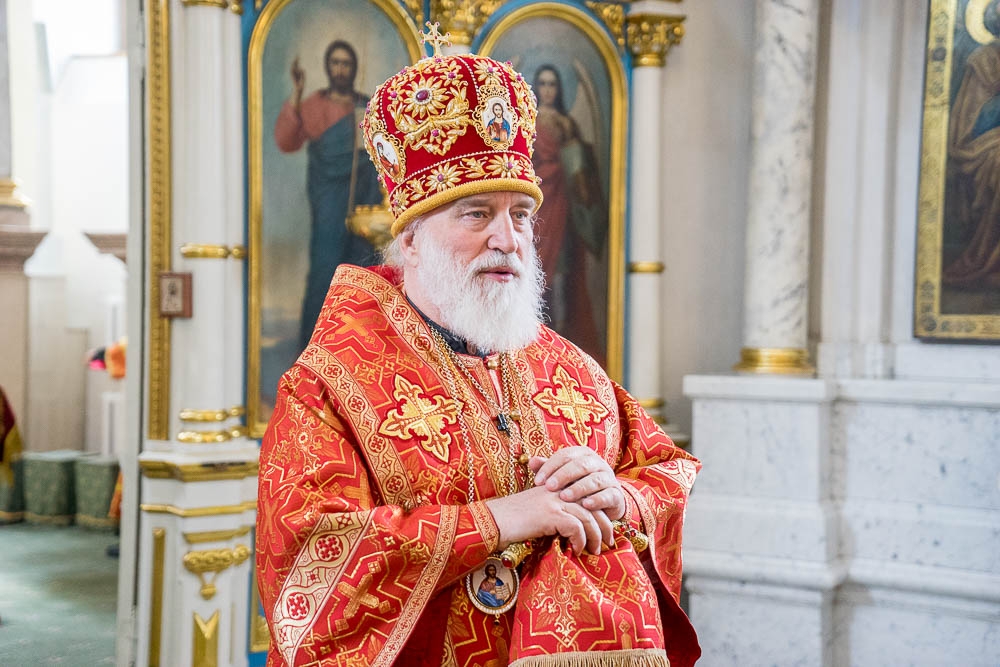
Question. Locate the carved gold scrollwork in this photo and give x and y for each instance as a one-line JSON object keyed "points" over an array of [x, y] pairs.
{"points": [[462, 18], [188, 415], [416, 9], [212, 437], [214, 561], [651, 36], [613, 16]]}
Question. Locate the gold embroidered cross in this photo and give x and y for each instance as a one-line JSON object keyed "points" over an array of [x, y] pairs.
{"points": [[360, 596], [435, 37], [419, 416], [568, 402]]}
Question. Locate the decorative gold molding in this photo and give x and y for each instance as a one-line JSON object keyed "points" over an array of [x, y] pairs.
{"points": [[216, 510], [9, 196], [652, 403], [160, 184], [651, 36], [235, 6], [407, 32], [613, 16], [212, 251], [188, 415], [619, 134], [215, 535], [212, 437], [198, 472], [646, 267], [776, 360], [205, 645], [214, 561], [462, 19], [156, 597]]}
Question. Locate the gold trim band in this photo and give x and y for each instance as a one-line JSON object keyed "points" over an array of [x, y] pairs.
{"points": [[152, 508], [235, 6], [88, 521], [776, 360], [11, 517], [198, 472], [651, 403], [646, 267], [212, 437], [188, 415], [215, 535], [156, 595], [212, 251], [49, 520]]}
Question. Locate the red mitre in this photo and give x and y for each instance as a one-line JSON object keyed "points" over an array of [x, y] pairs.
{"points": [[448, 127]]}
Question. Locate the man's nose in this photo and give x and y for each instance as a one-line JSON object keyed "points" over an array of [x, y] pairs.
{"points": [[503, 237]]}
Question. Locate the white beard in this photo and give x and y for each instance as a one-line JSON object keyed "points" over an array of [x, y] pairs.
{"points": [[493, 316]]}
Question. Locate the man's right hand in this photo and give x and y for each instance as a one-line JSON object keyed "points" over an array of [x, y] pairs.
{"points": [[539, 512], [298, 80]]}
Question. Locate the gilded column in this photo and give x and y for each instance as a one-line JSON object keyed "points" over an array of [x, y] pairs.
{"points": [[8, 195], [650, 37], [198, 496], [777, 235]]}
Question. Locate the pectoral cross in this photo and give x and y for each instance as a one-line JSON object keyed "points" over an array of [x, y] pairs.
{"points": [[435, 37]]}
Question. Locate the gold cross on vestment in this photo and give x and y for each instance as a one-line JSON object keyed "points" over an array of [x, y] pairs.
{"points": [[435, 37]]}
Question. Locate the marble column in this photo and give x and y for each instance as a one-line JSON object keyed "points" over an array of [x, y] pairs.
{"points": [[777, 240], [8, 186], [198, 497], [650, 37]]}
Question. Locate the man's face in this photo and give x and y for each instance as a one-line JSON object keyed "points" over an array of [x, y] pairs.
{"points": [[471, 266], [478, 227], [497, 111], [340, 67], [491, 570]]}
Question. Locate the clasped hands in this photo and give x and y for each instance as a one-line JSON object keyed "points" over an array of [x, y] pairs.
{"points": [[576, 496]]}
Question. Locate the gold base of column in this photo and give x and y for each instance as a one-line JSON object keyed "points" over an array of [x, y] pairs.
{"points": [[775, 360], [9, 196]]}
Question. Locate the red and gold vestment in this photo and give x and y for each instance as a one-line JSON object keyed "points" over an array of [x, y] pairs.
{"points": [[365, 527]]}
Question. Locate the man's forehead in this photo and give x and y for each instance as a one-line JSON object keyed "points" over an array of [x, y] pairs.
{"points": [[510, 198]]}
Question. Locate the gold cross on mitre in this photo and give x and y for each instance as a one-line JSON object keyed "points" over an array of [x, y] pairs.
{"points": [[435, 37]]}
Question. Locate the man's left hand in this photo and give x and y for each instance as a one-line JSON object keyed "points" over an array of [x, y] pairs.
{"points": [[581, 476]]}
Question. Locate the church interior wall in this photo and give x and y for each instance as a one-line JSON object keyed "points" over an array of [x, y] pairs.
{"points": [[706, 152]]}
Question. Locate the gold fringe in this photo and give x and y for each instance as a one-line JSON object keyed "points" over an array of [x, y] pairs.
{"points": [[47, 520], [11, 517], [88, 521], [644, 657]]}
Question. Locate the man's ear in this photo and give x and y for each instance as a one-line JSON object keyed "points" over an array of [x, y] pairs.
{"points": [[408, 246]]}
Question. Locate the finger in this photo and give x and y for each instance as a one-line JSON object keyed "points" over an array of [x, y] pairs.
{"points": [[575, 469], [553, 463], [535, 463], [591, 528], [588, 486], [571, 527], [611, 501], [607, 530]]}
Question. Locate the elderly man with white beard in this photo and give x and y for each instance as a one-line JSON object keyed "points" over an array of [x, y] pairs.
{"points": [[445, 480]]}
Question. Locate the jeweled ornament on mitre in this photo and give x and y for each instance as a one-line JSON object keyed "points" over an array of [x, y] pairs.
{"points": [[448, 127]]}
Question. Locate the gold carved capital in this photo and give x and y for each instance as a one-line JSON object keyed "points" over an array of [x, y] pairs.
{"points": [[214, 561], [650, 37], [462, 18], [613, 15]]}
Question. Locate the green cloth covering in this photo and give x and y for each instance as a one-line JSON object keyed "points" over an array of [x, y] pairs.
{"points": [[12, 496], [95, 484], [49, 487]]}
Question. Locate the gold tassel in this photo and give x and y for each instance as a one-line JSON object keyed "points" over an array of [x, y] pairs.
{"points": [[646, 657]]}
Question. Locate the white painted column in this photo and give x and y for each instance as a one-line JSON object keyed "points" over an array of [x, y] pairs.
{"points": [[650, 37], [198, 502], [777, 264]]}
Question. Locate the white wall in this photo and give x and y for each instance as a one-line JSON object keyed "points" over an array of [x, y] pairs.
{"points": [[706, 148]]}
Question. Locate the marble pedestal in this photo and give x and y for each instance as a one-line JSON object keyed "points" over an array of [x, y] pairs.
{"points": [[850, 522]]}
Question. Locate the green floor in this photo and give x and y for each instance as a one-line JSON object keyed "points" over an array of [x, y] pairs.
{"points": [[57, 596]]}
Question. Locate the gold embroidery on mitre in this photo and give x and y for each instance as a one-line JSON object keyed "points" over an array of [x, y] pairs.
{"points": [[421, 417], [568, 402]]}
